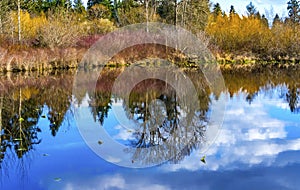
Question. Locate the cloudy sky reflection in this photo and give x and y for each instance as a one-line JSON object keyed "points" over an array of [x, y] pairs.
{"points": [[255, 134], [257, 148]]}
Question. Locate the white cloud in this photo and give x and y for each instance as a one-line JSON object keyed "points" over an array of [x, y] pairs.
{"points": [[249, 136], [112, 182], [282, 105], [123, 134], [113, 159], [269, 133], [98, 183]]}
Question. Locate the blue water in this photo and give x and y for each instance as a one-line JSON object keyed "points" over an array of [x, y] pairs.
{"points": [[258, 147]]}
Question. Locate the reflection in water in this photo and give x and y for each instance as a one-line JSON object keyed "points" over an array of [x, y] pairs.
{"points": [[292, 97], [101, 101], [23, 103], [252, 83], [151, 94], [167, 126], [171, 128]]}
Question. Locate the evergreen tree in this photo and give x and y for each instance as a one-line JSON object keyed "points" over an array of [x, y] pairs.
{"points": [[232, 10], [265, 20], [166, 11], [91, 3], [56, 4], [116, 12], [276, 20], [294, 10], [78, 6], [217, 10], [33, 7], [251, 9]]}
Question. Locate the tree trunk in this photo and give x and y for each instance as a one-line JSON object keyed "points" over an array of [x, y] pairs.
{"points": [[184, 6], [116, 12], [153, 9], [20, 116], [1, 26], [19, 21], [147, 14], [175, 12], [175, 21], [12, 27]]}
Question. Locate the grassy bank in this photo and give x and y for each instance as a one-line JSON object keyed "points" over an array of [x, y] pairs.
{"points": [[40, 59], [46, 35]]}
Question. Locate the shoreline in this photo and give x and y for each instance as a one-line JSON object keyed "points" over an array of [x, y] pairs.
{"points": [[45, 59]]}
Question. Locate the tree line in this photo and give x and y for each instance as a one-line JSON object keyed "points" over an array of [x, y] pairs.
{"points": [[61, 23], [254, 35], [39, 20]]}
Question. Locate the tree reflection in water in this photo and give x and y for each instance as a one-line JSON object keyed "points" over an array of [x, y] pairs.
{"points": [[171, 129], [24, 97], [293, 97], [172, 134], [23, 100], [266, 81]]}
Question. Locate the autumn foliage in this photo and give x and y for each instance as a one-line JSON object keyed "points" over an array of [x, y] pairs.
{"points": [[229, 34], [252, 35]]}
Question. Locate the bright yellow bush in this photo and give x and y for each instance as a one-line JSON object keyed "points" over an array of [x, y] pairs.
{"points": [[98, 26], [29, 25], [232, 33], [235, 34]]}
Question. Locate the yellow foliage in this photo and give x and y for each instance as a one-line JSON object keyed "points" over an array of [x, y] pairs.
{"points": [[98, 26], [29, 25], [235, 33], [285, 40], [26, 93]]}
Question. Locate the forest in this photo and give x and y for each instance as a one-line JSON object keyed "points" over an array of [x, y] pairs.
{"points": [[59, 24]]}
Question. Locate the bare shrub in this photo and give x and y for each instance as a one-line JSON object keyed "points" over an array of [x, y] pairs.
{"points": [[61, 30]]}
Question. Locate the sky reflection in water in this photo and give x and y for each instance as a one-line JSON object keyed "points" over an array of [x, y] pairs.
{"points": [[258, 148]]}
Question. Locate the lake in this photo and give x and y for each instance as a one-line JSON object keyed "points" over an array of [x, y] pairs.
{"points": [[53, 137]]}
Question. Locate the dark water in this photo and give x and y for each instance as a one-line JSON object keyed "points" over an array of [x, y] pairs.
{"points": [[258, 146]]}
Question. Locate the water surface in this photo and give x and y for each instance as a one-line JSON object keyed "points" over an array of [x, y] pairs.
{"points": [[258, 146]]}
